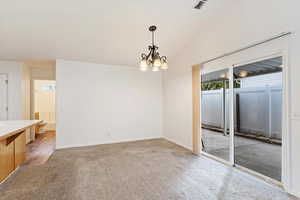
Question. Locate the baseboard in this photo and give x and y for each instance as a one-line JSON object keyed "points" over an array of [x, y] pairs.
{"points": [[294, 193], [179, 144], [110, 142], [50, 127], [261, 177]]}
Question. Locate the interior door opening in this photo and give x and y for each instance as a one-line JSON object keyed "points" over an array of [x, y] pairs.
{"points": [[43, 108]]}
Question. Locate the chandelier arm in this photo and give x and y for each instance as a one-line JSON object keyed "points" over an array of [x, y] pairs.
{"points": [[149, 54], [153, 53], [143, 55], [164, 57]]}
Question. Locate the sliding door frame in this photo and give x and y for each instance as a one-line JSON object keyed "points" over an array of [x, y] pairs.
{"points": [[227, 111], [286, 147], [196, 90]]}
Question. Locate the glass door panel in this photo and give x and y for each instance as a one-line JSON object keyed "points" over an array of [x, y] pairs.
{"points": [[215, 113], [257, 100]]}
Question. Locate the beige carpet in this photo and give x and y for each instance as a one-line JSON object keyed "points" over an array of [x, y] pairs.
{"points": [[145, 170]]}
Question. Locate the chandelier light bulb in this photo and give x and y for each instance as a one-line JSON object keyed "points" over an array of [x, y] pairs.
{"points": [[164, 65], [143, 63], [155, 69], [157, 62], [143, 69]]}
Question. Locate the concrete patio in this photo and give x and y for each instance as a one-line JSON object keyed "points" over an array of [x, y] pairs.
{"points": [[256, 155]]}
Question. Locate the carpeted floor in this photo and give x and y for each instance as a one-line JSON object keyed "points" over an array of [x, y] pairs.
{"points": [[144, 170]]}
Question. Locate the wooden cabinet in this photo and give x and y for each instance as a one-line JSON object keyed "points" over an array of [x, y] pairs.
{"points": [[13, 144], [7, 158], [12, 153], [20, 149]]}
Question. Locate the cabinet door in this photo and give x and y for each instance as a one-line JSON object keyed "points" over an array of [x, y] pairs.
{"points": [[7, 161], [20, 149]]}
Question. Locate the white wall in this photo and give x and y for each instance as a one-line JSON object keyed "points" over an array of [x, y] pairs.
{"points": [[3, 97], [177, 126], [235, 24], [25, 86], [14, 72], [99, 104], [43, 72]]}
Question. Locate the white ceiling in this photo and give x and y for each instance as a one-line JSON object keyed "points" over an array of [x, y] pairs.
{"points": [[101, 31]]}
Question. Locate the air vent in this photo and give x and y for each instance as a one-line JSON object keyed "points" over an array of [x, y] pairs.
{"points": [[200, 4]]}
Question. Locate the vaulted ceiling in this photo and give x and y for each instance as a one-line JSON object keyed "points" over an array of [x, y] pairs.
{"points": [[101, 31]]}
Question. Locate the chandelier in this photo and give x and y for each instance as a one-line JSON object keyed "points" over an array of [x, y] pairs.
{"points": [[153, 60]]}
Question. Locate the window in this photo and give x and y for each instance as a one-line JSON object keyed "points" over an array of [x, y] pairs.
{"points": [[48, 87]]}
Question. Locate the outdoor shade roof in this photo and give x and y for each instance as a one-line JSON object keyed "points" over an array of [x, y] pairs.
{"points": [[267, 66], [215, 76]]}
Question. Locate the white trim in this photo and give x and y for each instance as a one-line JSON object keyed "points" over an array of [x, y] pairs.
{"points": [[110, 142], [258, 59], [279, 36], [216, 158], [261, 176], [286, 136], [177, 143], [294, 193], [231, 116]]}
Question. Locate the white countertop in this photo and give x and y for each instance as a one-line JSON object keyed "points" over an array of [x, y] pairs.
{"points": [[11, 127]]}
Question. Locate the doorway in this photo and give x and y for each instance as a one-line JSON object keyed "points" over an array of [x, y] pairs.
{"points": [[3, 97], [241, 116], [43, 104]]}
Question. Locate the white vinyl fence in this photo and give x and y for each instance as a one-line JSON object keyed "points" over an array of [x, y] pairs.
{"points": [[259, 111]]}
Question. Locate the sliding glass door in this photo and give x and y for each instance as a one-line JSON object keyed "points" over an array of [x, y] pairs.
{"points": [[241, 114]]}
